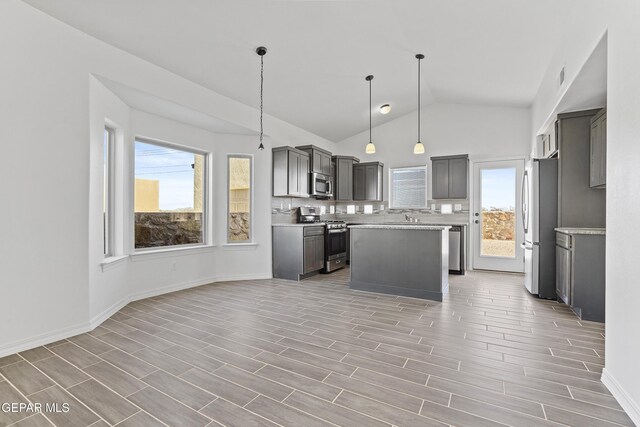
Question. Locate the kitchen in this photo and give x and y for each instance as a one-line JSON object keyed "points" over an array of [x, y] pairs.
{"points": [[416, 215]]}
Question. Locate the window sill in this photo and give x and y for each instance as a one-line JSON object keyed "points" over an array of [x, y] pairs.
{"points": [[239, 246], [112, 261], [170, 252]]}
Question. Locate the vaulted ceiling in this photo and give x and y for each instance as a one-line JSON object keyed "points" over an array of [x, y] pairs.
{"points": [[491, 52]]}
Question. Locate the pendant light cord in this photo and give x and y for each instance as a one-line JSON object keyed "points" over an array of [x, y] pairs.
{"points": [[370, 109], [261, 147], [262, 51], [419, 98]]}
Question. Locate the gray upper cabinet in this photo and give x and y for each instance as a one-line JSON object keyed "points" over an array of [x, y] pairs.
{"points": [[367, 181], [290, 172], [598, 164], [343, 179], [320, 160], [549, 143], [579, 205], [449, 177]]}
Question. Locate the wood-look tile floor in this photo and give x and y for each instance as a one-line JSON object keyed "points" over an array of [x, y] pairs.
{"points": [[314, 353]]}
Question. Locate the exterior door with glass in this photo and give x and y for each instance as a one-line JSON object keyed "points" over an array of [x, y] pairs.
{"points": [[497, 209]]}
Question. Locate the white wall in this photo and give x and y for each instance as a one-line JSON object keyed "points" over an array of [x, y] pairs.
{"points": [[51, 283], [584, 28], [480, 131]]}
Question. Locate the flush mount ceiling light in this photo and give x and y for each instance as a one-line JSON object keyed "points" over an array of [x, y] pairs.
{"points": [[371, 149], [419, 147], [262, 51], [385, 109]]}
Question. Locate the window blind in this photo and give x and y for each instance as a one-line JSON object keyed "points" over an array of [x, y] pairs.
{"points": [[408, 187]]}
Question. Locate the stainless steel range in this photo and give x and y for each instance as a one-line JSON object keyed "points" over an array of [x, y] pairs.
{"points": [[335, 246], [335, 238]]}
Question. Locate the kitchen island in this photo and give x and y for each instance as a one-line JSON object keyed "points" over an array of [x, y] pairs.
{"points": [[406, 260]]}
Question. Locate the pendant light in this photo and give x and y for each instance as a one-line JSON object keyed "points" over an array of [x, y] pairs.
{"points": [[419, 147], [262, 51], [370, 149]]}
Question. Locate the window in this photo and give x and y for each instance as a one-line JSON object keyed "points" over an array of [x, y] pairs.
{"points": [[108, 156], [408, 188], [169, 195], [239, 198]]}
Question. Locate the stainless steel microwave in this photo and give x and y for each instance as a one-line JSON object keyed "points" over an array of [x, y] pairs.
{"points": [[320, 185]]}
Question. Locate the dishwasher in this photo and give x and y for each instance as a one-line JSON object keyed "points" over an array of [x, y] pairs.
{"points": [[457, 249]]}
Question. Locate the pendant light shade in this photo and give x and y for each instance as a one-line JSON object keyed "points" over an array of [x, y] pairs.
{"points": [[370, 149], [419, 147], [262, 51]]}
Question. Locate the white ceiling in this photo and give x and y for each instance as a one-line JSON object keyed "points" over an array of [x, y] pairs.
{"points": [[149, 103], [491, 52]]}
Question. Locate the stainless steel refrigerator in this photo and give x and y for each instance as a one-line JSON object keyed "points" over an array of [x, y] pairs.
{"points": [[539, 219]]}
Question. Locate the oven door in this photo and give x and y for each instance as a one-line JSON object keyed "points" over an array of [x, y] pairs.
{"points": [[320, 185], [335, 243]]}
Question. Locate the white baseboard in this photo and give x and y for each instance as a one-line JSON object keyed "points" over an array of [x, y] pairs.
{"points": [[107, 313], [43, 339], [631, 408], [48, 338], [232, 278], [173, 288]]}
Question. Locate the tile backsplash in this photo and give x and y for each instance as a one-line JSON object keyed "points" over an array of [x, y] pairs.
{"points": [[283, 210]]}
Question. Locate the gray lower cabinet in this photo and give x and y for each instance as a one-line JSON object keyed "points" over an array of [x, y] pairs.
{"points": [[313, 253], [449, 177], [290, 172], [343, 179], [580, 274], [563, 269], [598, 164], [367, 181], [298, 251]]}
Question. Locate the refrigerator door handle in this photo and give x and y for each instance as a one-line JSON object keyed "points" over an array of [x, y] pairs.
{"points": [[525, 200]]}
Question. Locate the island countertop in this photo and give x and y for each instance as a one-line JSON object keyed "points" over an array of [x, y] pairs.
{"points": [[396, 226]]}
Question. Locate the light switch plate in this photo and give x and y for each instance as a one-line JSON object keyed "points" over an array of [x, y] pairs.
{"points": [[368, 209], [457, 207], [332, 209], [323, 210], [445, 208], [351, 209]]}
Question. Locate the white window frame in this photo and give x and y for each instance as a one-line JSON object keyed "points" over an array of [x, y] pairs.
{"points": [[426, 187], [206, 219], [109, 192], [251, 201]]}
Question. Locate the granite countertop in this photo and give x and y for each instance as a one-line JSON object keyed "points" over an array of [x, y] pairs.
{"points": [[310, 224], [575, 230], [411, 224], [414, 226]]}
